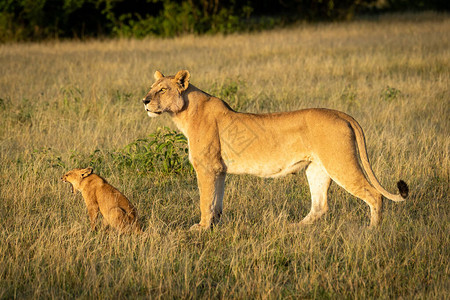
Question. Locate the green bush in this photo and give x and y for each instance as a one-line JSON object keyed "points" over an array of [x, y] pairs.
{"points": [[164, 151]]}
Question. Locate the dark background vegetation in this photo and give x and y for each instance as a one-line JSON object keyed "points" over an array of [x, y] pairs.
{"points": [[43, 19]]}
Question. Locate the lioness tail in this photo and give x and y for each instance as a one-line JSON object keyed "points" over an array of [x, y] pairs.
{"points": [[403, 189], [361, 145]]}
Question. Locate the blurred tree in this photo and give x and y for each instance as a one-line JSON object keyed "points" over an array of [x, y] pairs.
{"points": [[310, 9], [40, 19], [415, 5]]}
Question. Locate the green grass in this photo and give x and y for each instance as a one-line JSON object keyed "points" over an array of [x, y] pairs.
{"points": [[71, 104]]}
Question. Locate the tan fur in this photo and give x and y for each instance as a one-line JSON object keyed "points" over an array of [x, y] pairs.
{"points": [[102, 197], [328, 143]]}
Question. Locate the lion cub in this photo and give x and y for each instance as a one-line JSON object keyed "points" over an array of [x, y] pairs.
{"points": [[99, 195]]}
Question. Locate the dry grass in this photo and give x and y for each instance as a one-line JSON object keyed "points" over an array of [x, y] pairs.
{"points": [[65, 99]]}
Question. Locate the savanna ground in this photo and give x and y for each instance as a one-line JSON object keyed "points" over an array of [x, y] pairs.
{"points": [[73, 104]]}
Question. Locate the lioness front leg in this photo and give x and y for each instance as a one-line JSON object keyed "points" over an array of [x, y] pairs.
{"points": [[211, 186]]}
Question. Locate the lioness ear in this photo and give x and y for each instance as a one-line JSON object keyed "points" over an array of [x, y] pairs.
{"points": [[158, 75], [182, 79], [86, 172]]}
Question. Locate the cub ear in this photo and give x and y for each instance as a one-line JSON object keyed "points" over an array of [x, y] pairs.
{"points": [[182, 79], [158, 75], [86, 172]]}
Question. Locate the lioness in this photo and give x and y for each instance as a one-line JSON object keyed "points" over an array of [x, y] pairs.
{"points": [[99, 195], [327, 142]]}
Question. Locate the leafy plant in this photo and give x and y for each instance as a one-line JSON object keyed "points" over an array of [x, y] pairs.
{"points": [[164, 151], [390, 93]]}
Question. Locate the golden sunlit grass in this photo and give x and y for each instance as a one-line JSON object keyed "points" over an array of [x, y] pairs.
{"points": [[60, 102]]}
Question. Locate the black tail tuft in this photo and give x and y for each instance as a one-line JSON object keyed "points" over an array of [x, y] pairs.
{"points": [[403, 188]]}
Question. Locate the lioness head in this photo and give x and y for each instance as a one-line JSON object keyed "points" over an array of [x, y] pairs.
{"points": [[165, 94], [75, 176]]}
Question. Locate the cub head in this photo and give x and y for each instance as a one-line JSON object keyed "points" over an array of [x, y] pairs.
{"points": [[75, 176], [165, 94]]}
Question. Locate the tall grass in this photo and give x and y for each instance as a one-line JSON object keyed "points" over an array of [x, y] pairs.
{"points": [[68, 104]]}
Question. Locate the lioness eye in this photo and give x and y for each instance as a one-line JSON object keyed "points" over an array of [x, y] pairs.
{"points": [[163, 90]]}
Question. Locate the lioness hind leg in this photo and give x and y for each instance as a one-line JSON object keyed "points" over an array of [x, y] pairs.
{"points": [[319, 182], [341, 163], [373, 198], [353, 180]]}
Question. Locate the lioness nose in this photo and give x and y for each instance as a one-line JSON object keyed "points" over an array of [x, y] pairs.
{"points": [[146, 100]]}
